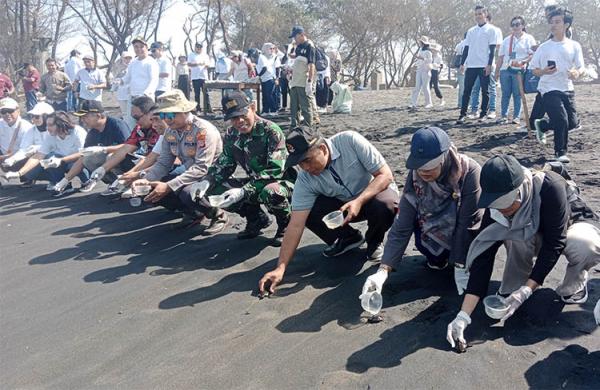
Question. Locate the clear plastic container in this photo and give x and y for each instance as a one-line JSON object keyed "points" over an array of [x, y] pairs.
{"points": [[371, 302], [334, 219], [142, 190], [495, 306], [135, 202]]}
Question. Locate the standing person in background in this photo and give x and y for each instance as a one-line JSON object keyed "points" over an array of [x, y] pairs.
{"points": [[122, 89], [514, 55], [302, 85], [323, 83], [284, 81], [31, 85], [198, 62], [183, 76], [335, 67], [460, 76], [242, 70], [223, 67], [6, 86], [142, 76], [55, 85], [266, 68], [437, 66], [90, 81], [72, 67], [278, 71], [165, 69], [477, 61], [423, 74]]}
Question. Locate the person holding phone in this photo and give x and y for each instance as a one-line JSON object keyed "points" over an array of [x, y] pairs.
{"points": [[557, 62]]}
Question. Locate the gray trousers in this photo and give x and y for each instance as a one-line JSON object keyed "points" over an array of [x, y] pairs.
{"points": [[301, 103], [582, 253]]}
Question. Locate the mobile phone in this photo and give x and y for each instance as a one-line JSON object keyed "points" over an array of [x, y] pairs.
{"points": [[551, 64]]}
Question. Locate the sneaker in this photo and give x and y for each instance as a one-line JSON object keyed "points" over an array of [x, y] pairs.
{"points": [[578, 127], [483, 118], [127, 194], [563, 159], [502, 120], [343, 245], [278, 237], [442, 103], [375, 252], [491, 115], [112, 191], [89, 186], [429, 106], [473, 115], [516, 121], [462, 119], [28, 183], [437, 265], [579, 297], [539, 133], [50, 186], [67, 190], [217, 224], [254, 229]]}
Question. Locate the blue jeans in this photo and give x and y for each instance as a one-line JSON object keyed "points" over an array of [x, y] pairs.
{"points": [[492, 92], [510, 86], [71, 101], [268, 96], [31, 99], [57, 174], [460, 77]]}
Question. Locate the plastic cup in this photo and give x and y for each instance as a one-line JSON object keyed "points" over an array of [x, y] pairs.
{"points": [[495, 306], [371, 302], [135, 202], [142, 190], [334, 219], [216, 200]]}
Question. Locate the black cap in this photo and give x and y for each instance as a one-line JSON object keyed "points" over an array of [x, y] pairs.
{"points": [[235, 104], [198, 44], [89, 106], [499, 175], [298, 141], [296, 30], [426, 144], [157, 45]]}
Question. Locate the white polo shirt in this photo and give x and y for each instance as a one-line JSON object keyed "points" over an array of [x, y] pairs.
{"points": [[200, 71], [479, 39], [164, 66], [87, 78], [64, 147], [6, 134], [567, 54], [142, 77]]}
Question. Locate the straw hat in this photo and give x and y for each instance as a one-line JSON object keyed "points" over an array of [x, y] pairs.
{"points": [[174, 101], [425, 39]]}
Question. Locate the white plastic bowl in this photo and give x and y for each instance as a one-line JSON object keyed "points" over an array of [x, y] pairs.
{"points": [[495, 307], [334, 219]]}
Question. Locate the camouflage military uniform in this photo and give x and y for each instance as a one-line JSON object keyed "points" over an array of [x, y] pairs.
{"points": [[262, 154]]}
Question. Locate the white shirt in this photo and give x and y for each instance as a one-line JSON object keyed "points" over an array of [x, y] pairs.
{"points": [[142, 77], [72, 67], [164, 66], [268, 63], [87, 78], [567, 54], [223, 66], [479, 39], [437, 60], [424, 63], [6, 134], [240, 70], [200, 71], [64, 147], [33, 137], [521, 48]]}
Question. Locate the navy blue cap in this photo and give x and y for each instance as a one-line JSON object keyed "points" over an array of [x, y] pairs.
{"points": [[426, 144], [296, 30], [499, 175]]}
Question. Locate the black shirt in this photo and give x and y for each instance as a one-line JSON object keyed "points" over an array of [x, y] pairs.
{"points": [[307, 49], [113, 134], [555, 212]]}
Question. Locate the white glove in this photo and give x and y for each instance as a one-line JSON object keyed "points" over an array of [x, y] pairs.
{"points": [[375, 282], [232, 196], [461, 278], [31, 149], [15, 158], [597, 312], [52, 162], [61, 185], [198, 189], [91, 150], [308, 88], [98, 174], [12, 175], [515, 300], [456, 329]]}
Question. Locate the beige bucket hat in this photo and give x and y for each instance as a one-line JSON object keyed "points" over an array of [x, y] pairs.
{"points": [[174, 101]]}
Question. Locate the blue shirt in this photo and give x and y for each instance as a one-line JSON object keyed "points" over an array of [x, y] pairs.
{"points": [[113, 134]]}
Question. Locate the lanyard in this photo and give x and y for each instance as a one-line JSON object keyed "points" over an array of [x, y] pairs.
{"points": [[338, 179]]}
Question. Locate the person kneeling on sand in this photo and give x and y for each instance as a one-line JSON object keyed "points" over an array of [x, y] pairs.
{"points": [[537, 216], [439, 206], [342, 174], [258, 147], [197, 144]]}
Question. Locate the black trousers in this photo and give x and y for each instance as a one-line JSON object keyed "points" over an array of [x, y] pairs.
{"points": [[560, 107], [379, 213], [471, 74], [284, 86], [183, 84], [198, 83], [435, 83]]}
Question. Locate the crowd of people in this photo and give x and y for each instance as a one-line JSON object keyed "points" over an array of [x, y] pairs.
{"points": [[458, 212]]}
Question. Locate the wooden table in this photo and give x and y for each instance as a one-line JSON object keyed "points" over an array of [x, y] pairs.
{"points": [[237, 85]]}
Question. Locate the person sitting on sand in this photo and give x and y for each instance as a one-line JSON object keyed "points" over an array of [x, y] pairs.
{"points": [[531, 214], [344, 173], [439, 206]]}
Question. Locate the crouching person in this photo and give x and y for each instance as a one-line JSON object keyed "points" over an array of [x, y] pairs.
{"points": [[531, 214], [344, 173], [258, 147], [438, 206], [197, 144]]}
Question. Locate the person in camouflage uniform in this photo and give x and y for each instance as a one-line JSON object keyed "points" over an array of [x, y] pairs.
{"points": [[258, 147]]}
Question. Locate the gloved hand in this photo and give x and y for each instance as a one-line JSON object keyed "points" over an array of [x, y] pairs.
{"points": [[597, 312], [98, 174], [198, 190], [515, 300], [461, 278], [375, 282], [61, 185], [32, 149], [12, 175], [52, 162], [232, 196], [15, 158], [456, 329], [308, 88], [91, 150]]}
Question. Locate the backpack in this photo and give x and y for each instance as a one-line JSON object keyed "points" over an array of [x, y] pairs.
{"points": [[320, 59]]}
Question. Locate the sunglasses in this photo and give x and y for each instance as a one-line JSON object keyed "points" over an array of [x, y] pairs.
{"points": [[7, 111], [517, 24], [167, 115]]}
